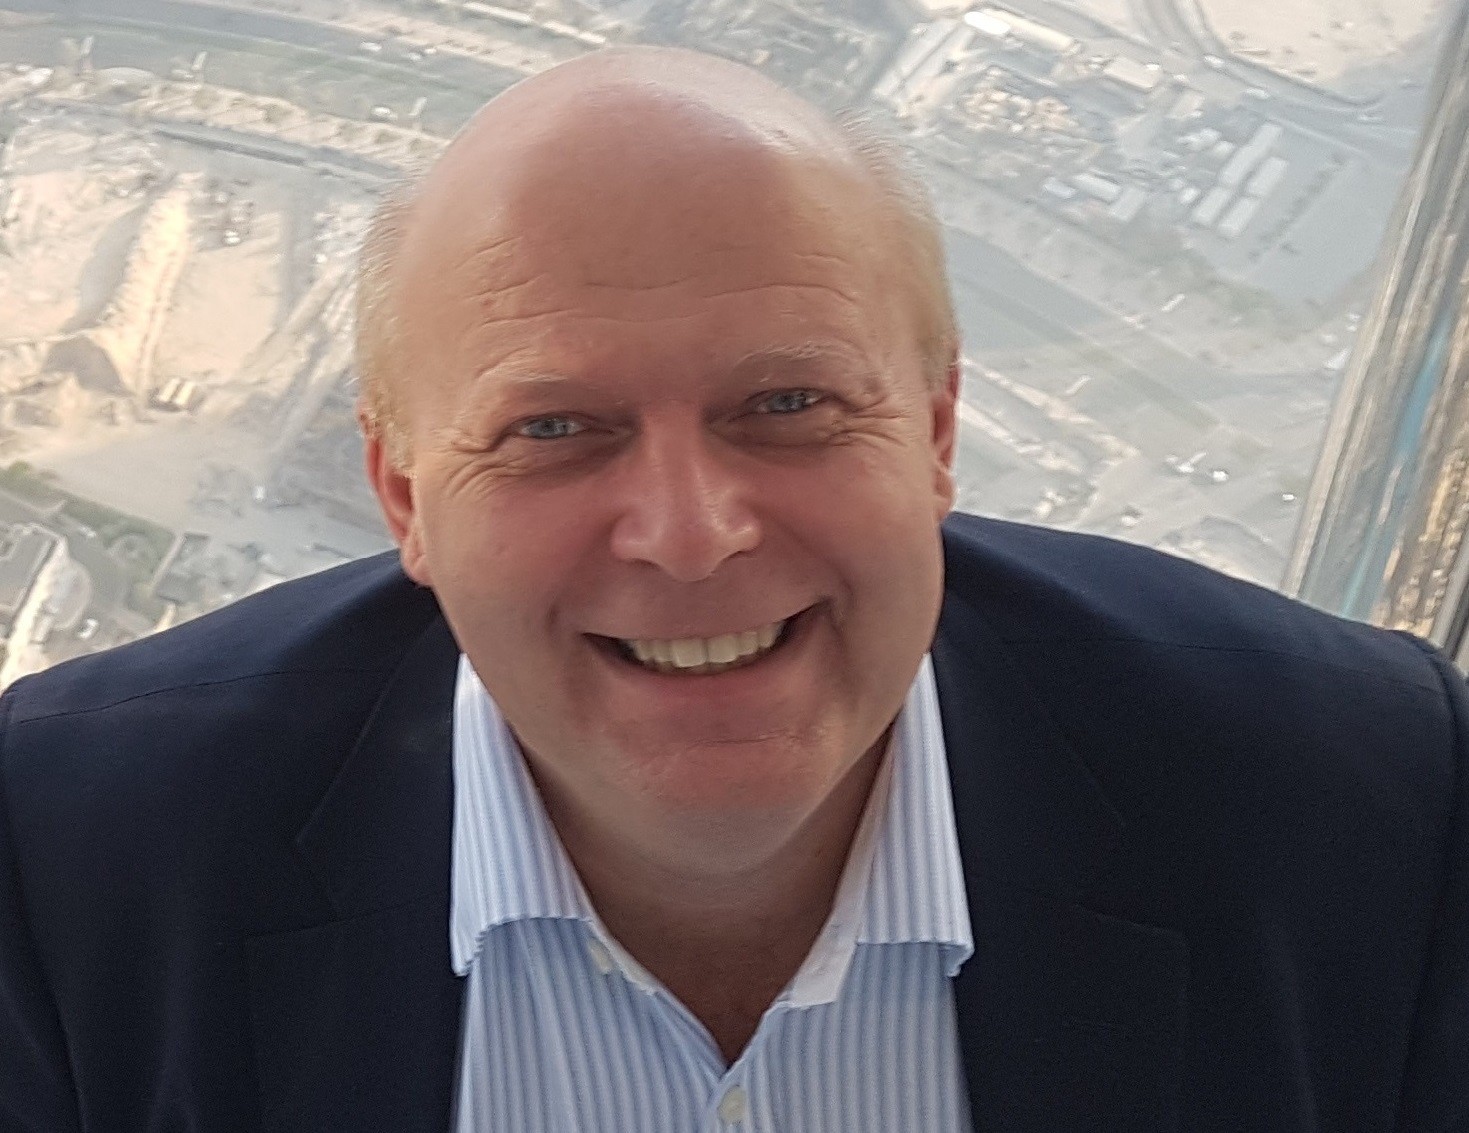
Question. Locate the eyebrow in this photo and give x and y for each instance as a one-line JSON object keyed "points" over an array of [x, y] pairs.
{"points": [[512, 381], [803, 354]]}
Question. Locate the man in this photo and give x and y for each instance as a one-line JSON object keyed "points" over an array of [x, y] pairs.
{"points": [[689, 774]]}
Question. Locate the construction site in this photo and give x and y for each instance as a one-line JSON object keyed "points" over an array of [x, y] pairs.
{"points": [[176, 352]]}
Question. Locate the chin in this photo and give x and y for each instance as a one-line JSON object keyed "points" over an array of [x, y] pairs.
{"points": [[743, 779]]}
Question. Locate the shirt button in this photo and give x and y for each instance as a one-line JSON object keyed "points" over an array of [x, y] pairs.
{"points": [[600, 956], [732, 1106]]}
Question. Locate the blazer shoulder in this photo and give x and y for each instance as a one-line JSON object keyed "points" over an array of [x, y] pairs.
{"points": [[355, 618], [1227, 707], [225, 731], [1038, 587]]}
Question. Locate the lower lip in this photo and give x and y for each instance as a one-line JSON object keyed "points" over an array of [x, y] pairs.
{"points": [[771, 666]]}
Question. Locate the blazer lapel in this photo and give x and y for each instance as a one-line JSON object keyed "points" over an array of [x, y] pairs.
{"points": [[1068, 1018], [356, 1020]]}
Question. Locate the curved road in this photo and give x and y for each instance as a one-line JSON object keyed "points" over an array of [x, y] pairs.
{"points": [[1183, 22], [456, 85]]}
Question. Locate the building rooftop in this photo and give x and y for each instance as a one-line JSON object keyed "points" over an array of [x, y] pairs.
{"points": [[24, 549]]}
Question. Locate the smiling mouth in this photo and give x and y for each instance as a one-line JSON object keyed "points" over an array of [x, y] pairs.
{"points": [[703, 656]]}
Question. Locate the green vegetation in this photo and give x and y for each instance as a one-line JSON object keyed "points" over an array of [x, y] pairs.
{"points": [[30, 485]]}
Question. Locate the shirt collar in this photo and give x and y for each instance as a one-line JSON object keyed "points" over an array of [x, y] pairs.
{"points": [[903, 882], [508, 863], [916, 890]]}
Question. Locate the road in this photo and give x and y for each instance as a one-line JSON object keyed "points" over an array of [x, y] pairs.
{"points": [[270, 53], [1006, 312], [1180, 28], [1181, 41]]}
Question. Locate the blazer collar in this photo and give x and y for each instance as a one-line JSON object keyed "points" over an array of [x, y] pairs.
{"points": [[1069, 1017], [1029, 810], [380, 836], [356, 1021]]}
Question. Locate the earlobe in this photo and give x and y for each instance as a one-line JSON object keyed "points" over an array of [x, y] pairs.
{"points": [[944, 492], [411, 555], [394, 488]]}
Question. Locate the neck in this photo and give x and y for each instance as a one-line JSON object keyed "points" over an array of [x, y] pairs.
{"points": [[725, 939], [712, 886]]}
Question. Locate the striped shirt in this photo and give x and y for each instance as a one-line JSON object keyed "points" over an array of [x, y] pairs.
{"points": [[565, 1031]]}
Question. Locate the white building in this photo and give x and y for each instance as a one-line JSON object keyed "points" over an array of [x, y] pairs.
{"points": [[37, 579], [1031, 33]]}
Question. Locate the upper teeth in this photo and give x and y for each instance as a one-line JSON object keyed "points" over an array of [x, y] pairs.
{"points": [[698, 652]]}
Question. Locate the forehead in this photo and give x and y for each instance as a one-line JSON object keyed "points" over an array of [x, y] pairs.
{"points": [[585, 248]]}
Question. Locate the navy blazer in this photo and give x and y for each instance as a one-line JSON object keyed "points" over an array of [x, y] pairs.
{"points": [[1214, 844]]}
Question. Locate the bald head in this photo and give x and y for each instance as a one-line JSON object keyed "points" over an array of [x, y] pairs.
{"points": [[639, 102], [602, 165]]}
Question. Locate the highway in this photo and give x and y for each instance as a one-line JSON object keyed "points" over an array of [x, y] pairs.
{"points": [[1179, 28], [1008, 315], [270, 53], [1179, 37]]}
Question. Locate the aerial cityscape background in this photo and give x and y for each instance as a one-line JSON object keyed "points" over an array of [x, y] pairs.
{"points": [[1163, 218]]}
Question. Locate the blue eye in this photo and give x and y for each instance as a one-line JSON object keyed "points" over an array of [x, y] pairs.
{"points": [[550, 428], [789, 401]]}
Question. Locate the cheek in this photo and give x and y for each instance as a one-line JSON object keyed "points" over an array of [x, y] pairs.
{"points": [[504, 557], [875, 525], [881, 489]]}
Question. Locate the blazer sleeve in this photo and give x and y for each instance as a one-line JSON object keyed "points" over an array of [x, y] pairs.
{"points": [[36, 1094], [1436, 1085]]}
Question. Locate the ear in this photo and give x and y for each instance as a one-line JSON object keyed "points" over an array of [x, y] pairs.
{"points": [[944, 402], [395, 491]]}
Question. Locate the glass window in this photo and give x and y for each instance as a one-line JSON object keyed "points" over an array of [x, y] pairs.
{"points": [[1162, 220], [1384, 523]]}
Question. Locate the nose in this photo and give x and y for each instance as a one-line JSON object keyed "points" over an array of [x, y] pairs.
{"points": [[685, 510]]}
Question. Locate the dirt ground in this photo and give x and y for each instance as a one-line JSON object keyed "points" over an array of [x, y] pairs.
{"points": [[1342, 44]]}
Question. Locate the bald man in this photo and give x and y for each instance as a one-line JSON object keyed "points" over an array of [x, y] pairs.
{"points": [[689, 766]]}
